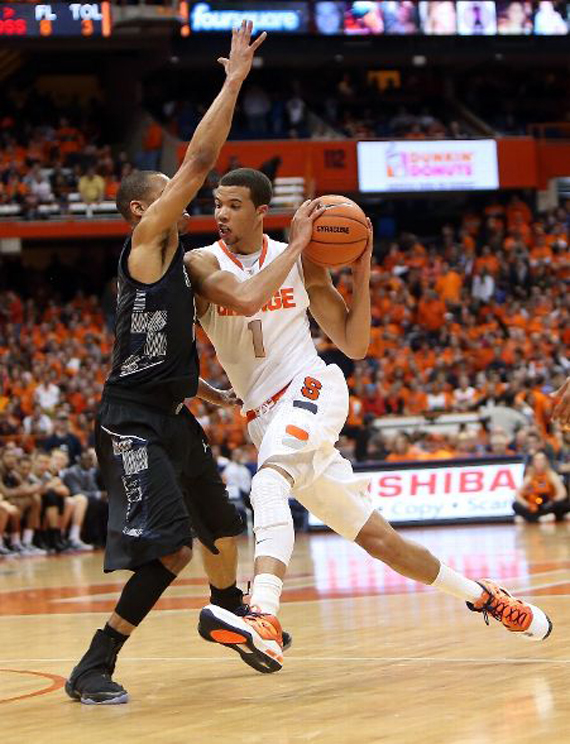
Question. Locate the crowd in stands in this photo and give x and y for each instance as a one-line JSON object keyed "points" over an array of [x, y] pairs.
{"points": [[52, 156], [509, 103], [472, 321], [350, 104]]}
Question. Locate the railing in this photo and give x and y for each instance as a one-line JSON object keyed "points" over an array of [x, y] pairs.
{"points": [[550, 130]]}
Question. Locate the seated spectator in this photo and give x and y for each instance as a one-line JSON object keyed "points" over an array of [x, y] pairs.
{"points": [[63, 439], [403, 450], [47, 394], [38, 424], [21, 501], [91, 187], [465, 396], [53, 493], [541, 493], [74, 507], [81, 480]]}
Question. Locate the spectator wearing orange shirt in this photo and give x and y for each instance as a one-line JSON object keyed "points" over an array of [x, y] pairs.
{"points": [[448, 286], [431, 311], [416, 403], [402, 450], [70, 141], [517, 208]]}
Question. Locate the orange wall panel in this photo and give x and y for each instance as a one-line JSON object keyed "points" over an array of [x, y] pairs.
{"points": [[328, 165], [553, 161], [517, 162]]}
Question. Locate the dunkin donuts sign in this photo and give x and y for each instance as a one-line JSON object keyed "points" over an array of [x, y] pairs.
{"points": [[446, 165]]}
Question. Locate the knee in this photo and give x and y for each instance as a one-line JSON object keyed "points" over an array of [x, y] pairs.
{"points": [[175, 562]]}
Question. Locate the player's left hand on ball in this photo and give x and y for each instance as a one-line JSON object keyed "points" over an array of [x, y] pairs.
{"points": [[228, 398], [561, 411]]}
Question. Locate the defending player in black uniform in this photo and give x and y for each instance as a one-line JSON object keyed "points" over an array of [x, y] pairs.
{"points": [[157, 467]]}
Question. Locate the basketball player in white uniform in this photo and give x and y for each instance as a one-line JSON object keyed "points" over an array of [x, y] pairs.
{"points": [[253, 294]]}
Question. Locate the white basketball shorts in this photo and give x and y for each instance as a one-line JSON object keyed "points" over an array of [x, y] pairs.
{"points": [[299, 433]]}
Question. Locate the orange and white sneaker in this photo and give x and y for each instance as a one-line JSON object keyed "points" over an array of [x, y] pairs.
{"points": [[256, 636], [516, 615]]}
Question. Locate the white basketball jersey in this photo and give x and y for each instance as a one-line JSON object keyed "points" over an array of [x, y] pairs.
{"points": [[261, 354]]}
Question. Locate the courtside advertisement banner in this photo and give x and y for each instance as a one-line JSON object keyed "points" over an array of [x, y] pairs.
{"points": [[446, 493], [441, 165]]}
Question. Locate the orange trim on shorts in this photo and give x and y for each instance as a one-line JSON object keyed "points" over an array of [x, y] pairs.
{"points": [[255, 412], [294, 431]]}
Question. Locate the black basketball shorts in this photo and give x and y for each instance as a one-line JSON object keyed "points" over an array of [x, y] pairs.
{"points": [[162, 483]]}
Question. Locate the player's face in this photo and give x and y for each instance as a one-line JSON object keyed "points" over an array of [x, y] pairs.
{"points": [[236, 215], [160, 182]]}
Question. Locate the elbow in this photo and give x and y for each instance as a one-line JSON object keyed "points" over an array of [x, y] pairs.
{"points": [[248, 308], [356, 350], [357, 354], [247, 304]]}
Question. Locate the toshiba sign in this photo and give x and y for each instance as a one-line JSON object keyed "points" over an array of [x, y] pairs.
{"points": [[451, 492]]}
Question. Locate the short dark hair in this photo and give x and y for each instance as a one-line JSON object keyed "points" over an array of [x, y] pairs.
{"points": [[133, 187], [259, 185]]}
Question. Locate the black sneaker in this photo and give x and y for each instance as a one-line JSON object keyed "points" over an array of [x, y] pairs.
{"points": [[90, 682]]}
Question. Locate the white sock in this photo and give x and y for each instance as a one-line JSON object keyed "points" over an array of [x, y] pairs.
{"points": [[74, 533], [266, 593], [27, 537], [15, 540], [451, 582]]}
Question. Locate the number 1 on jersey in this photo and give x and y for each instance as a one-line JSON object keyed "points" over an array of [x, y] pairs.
{"points": [[257, 334]]}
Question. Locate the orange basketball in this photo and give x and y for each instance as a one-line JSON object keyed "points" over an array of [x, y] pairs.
{"points": [[340, 234]]}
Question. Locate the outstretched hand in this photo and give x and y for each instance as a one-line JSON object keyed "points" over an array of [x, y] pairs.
{"points": [[238, 64]]}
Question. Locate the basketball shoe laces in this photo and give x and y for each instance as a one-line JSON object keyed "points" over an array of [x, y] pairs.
{"points": [[268, 629], [508, 610]]}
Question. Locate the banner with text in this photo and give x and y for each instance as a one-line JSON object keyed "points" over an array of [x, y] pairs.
{"points": [[440, 165], [415, 494]]}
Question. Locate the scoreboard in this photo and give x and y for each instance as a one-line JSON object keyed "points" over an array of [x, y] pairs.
{"points": [[24, 20]]}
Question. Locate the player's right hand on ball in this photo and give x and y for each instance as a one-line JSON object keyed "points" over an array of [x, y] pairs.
{"points": [[238, 64], [302, 223]]}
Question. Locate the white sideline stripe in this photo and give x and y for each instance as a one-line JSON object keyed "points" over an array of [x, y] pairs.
{"points": [[312, 659], [122, 436]]}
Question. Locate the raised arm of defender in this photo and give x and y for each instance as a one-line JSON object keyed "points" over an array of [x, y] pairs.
{"points": [[248, 297], [348, 328], [205, 145]]}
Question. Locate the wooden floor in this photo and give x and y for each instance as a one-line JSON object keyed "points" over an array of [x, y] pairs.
{"points": [[375, 658]]}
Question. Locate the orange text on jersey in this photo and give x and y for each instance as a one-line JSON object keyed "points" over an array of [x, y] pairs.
{"points": [[281, 300]]}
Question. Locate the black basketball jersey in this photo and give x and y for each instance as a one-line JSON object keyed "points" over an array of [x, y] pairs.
{"points": [[155, 346]]}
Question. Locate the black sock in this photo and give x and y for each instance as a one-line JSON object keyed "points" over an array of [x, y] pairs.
{"points": [[142, 591], [120, 638], [229, 598]]}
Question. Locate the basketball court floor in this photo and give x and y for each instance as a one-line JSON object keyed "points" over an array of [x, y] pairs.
{"points": [[375, 658]]}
